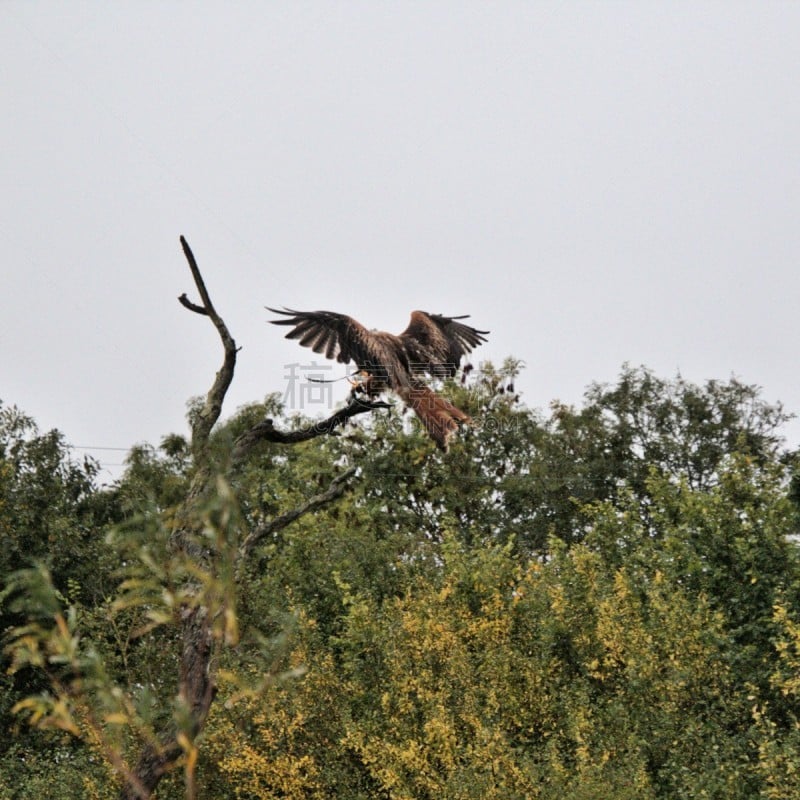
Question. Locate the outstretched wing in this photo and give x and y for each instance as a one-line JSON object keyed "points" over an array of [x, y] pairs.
{"points": [[436, 344], [336, 336]]}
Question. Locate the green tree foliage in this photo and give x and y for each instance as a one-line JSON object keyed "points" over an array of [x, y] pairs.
{"points": [[580, 674], [50, 514], [597, 601], [50, 510], [778, 724]]}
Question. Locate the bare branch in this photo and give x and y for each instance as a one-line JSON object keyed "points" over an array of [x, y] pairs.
{"points": [[266, 431], [261, 532], [205, 420], [198, 278], [187, 303]]}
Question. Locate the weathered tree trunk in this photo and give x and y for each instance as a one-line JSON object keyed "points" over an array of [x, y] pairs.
{"points": [[196, 680]]}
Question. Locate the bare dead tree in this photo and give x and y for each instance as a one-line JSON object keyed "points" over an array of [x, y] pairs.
{"points": [[196, 687]]}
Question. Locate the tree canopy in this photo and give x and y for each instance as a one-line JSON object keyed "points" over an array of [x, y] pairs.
{"points": [[589, 601]]}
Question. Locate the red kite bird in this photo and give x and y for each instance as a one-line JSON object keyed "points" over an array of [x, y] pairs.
{"points": [[431, 344]]}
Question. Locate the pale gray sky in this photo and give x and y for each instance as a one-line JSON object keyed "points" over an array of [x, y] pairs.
{"points": [[594, 182]]}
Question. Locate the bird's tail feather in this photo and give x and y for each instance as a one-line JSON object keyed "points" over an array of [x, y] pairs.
{"points": [[439, 416]]}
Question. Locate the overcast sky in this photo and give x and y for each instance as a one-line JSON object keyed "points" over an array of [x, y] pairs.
{"points": [[596, 183]]}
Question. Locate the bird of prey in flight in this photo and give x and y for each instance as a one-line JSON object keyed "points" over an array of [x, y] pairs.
{"points": [[432, 344]]}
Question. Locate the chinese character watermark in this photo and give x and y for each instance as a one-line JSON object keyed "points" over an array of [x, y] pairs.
{"points": [[308, 385]]}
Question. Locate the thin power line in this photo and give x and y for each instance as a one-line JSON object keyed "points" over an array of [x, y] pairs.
{"points": [[98, 447]]}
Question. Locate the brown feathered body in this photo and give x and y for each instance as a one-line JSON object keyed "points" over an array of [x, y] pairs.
{"points": [[432, 344]]}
